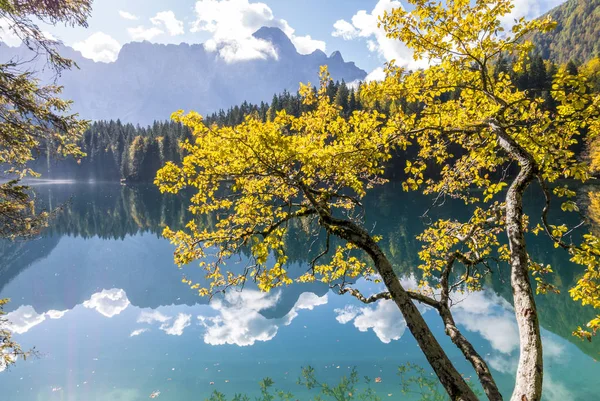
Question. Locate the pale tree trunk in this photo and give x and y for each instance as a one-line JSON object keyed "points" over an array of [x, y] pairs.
{"points": [[528, 382]]}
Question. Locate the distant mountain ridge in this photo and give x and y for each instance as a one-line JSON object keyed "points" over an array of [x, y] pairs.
{"points": [[577, 34], [150, 81]]}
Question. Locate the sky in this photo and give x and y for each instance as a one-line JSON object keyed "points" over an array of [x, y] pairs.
{"points": [[226, 26]]}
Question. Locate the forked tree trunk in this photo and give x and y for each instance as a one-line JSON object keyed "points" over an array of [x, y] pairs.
{"points": [[479, 365], [454, 384]]}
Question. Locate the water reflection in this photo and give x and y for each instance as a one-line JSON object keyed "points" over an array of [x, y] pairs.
{"points": [[239, 320], [25, 318], [108, 303], [99, 294]]}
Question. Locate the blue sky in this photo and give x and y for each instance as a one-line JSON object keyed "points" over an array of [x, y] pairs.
{"points": [[226, 26]]}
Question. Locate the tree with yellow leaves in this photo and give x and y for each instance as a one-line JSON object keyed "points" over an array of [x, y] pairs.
{"points": [[476, 137]]}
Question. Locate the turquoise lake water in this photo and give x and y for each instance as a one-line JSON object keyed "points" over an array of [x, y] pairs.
{"points": [[99, 297]]}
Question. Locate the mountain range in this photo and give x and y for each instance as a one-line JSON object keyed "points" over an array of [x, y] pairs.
{"points": [[150, 81]]}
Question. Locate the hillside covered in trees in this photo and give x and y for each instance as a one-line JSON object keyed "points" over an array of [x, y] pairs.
{"points": [[576, 34], [123, 151]]}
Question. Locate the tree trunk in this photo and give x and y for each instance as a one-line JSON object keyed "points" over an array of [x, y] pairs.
{"points": [[454, 384], [528, 382], [452, 381], [528, 385], [479, 365]]}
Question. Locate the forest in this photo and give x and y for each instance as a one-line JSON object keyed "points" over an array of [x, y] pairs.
{"points": [[117, 151]]}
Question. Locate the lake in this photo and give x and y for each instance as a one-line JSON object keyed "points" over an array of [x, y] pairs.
{"points": [[99, 297]]}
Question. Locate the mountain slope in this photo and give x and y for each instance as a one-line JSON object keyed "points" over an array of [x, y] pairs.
{"points": [[577, 34], [150, 81]]}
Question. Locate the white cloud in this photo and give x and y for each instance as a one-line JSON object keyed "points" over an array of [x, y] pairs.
{"points": [[49, 36], [529, 9], [231, 24], [345, 30], [384, 319], [99, 47], [179, 324], [347, 314], [552, 348], [138, 332], [378, 74], [108, 302], [56, 314], [142, 33], [307, 45], [7, 35], [152, 316], [23, 319], [174, 327], [128, 16], [555, 391], [309, 300], [167, 19], [364, 25], [239, 320], [503, 363], [491, 316]]}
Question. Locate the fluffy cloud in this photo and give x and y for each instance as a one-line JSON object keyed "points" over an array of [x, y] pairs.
{"points": [[162, 21], [345, 30], [23, 319], [552, 348], [556, 391], [173, 327], [99, 47], [492, 317], [346, 314], [364, 25], [142, 33], [152, 316], [378, 74], [179, 324], [239, 320], [7, 35], [384, 319], [307, 45], [128, 16], [137, 332], [231, 24], [56, 314], [167, 19], [309, 300], [108, 302], [553, 390]]}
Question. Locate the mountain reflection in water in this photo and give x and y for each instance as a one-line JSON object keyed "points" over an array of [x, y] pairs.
{"points": [[99, 297]]}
